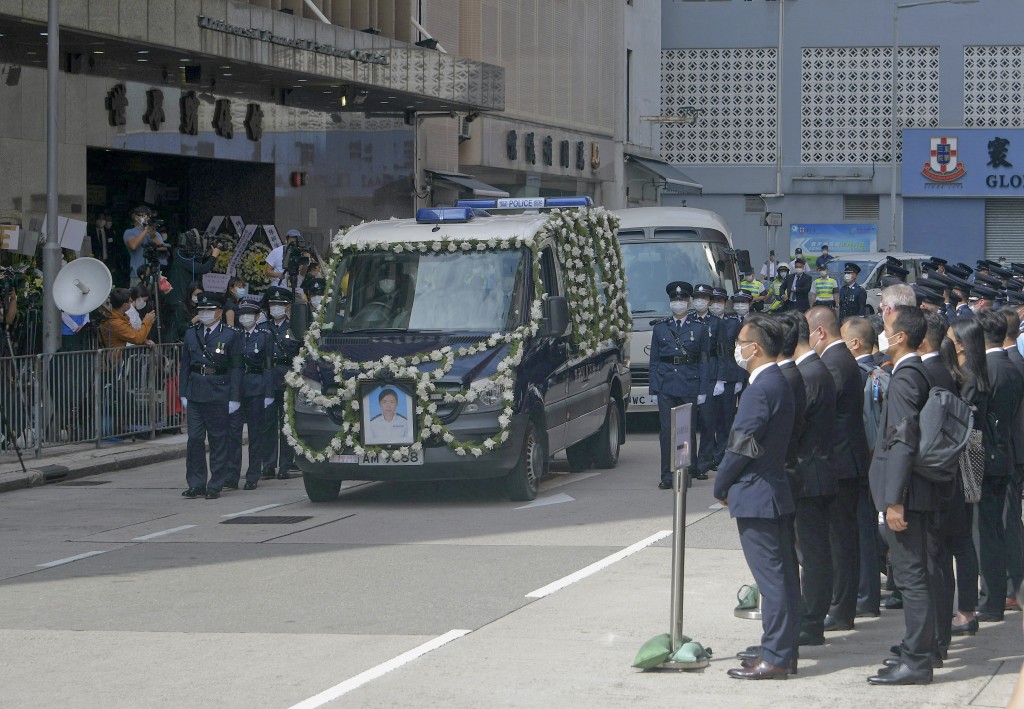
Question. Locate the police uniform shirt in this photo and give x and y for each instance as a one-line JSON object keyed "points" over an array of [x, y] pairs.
{"points": [[380, 430], [852, 300], [824, 289], [256, 379], [684, 338], [284, 347], [217, 347]]}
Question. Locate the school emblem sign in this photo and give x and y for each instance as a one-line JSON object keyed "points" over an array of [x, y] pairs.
{"points": [[944, 164]]}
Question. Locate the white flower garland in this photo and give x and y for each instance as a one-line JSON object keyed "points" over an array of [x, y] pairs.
{"points": [[586, 244]]}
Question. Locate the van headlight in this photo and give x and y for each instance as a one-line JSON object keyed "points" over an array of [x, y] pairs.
{"points": [[304, 405], [489, 397]]}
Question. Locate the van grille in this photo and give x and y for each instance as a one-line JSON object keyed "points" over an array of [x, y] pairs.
{"points": [[641, 376]]}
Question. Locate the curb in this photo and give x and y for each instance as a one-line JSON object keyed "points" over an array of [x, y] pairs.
{"points": [[55, 473]]}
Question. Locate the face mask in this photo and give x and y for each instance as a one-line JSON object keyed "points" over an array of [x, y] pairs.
{"points": [[206, 317], [241, 292], [737, 354], [741, 309], [883, 342], [799, 270], [195, 300], [386, 286], [782, 275], [277, 311], [700, 304], [140, 303], [247, 320], [717, 308], [678, 306], [975, 307], [822, 274], [315, 300], [849, 277]]}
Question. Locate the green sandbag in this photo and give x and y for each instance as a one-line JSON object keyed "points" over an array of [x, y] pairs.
{"points": [[654, 652], [690, 652], [748, 596]]}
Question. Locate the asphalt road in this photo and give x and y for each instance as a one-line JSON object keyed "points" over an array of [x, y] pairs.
{"points": [[117, 592]]}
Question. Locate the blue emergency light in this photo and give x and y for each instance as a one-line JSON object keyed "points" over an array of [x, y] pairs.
{"points": [[438, 215], [526, 203]]}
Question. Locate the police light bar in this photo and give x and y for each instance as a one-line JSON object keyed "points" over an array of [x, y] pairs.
{"points": [[437, 215], [526, 203]]}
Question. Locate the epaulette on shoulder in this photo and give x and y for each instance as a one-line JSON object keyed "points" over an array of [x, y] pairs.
{"points": [[659, 322]]}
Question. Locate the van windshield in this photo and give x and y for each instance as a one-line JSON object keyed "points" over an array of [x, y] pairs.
{"points": [[652, 265], [479, 291]]}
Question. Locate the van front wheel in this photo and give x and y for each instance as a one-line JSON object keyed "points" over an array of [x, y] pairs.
{"points": [[606, 442], [523, 483], [320, 490]]}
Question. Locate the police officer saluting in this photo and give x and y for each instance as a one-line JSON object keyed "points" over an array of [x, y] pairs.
{"points": [[284, 348], [257, 394], [852, 296], [210, 378], [679, 370]]}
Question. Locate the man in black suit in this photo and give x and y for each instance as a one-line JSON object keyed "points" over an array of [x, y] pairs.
{"points": [[1012, 513], [904, 498], [1006, 387], [752, 481], [797, 287], [849, 459], [818, 484]]}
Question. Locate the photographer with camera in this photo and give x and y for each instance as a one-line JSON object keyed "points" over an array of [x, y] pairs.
{"points": [[144, 243], [287, 262], [189, 262]]}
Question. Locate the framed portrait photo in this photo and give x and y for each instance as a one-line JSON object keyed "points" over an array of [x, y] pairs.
{"points": [[388, 412]]}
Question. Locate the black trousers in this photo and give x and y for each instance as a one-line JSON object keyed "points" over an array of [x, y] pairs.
{"points": [[726, 414], [767, 547], [1014, 535], [814, 553], [278, 453], [908, 552], [666, 402], [992, 544], [250, 414], [707, 422], [207, 419], [940, 572], [869, 587], [844, 536]]}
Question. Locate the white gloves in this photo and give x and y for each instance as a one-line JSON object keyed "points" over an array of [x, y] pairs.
{"points": [[268, 402], [233, 406], [184, 403], [701, 398], [719, 388], [739, 386]]}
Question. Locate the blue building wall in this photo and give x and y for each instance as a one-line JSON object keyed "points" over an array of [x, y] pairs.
{"points": [[948, 227]]}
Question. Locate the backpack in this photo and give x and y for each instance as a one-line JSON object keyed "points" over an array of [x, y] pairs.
{"points": [[875, 388], [945, 422]]}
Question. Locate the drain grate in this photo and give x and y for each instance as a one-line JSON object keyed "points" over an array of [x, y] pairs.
{"points": [[83, 483], [250, 519]]}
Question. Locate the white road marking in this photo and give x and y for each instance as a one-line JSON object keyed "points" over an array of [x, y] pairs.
{"points": [[597, 565], [717, 506], [86, 555], [253, 510], [552, 500], [160, 534], [567, 478], [374, 672]]}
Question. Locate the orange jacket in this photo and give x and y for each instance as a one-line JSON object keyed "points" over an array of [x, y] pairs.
{"points": [[118, 331]]}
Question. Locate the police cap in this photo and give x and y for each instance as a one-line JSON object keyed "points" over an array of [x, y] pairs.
{"points": [[1012, 285], [938, 261], [927, 295], [741, 297], [209, 299], [800, 260], [985, 280], [277, 294], [891, 281], [1015, 298], [984, 292], [1017, 268], [314, 286], [983, 264], [933, 285], [248, 306], [893, 261], [1000, 271], [894, 270], [719, 294], [929, 267], [679, 289], [702, 289], [959, 283], [851, 268], [943, 279]]}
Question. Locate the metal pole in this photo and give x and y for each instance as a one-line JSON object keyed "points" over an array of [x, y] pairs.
{"points": [[678, 556], [895, 122], [51, 247]]}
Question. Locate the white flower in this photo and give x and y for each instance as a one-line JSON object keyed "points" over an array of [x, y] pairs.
{"points": [[354, 404], [358, 450], [476, 451], [448, 438], [489, 444], [460, 451], [435, 429]]}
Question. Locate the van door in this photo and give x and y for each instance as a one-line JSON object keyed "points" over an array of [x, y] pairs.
{"points": [[553, 376], [590, 383]]}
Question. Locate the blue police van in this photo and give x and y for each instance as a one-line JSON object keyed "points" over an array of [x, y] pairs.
{"points": [[465, 343]]}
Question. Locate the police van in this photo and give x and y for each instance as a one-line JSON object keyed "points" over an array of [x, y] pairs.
{"points": [[661, 245], [465, 343]]}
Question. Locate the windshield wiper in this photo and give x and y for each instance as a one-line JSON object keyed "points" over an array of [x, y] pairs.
{"points": [[373, 329], [643, 311]]}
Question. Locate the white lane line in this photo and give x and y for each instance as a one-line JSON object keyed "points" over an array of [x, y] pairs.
{"points": [[550, 500], [160, 534], [568, 478], [374, 672], [76, 557], [253, 510], [597, 565]]}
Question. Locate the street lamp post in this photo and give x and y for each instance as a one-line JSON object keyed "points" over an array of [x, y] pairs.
{"points": [[893, 245]]}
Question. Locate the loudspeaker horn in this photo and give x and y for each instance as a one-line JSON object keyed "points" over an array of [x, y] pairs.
{"points": [[82, 286]]}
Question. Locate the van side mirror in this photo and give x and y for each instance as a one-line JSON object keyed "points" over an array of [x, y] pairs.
{"points": [[743, 259], [556, 317]]}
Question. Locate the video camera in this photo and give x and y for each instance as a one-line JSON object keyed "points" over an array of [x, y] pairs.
{"points": [[296, 257]]}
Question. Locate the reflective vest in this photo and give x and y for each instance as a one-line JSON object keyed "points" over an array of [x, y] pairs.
{"points": [[824, 288], [774, 299], [753, 289]]}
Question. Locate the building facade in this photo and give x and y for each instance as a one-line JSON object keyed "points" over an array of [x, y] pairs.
{"points": [[793, 116]]}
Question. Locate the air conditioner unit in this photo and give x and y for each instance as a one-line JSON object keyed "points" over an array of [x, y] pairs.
{"points": [[465, 129]]}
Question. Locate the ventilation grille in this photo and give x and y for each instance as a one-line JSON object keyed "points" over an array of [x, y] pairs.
{"points": [[753, 204], [859, 208], [993, 86]]}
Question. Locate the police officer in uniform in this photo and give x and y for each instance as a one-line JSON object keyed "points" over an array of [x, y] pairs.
{"points": [[852, 296], [678, 370], [824, 288], [284, 346], [754, 288], [314, 288], [210, 378], [707, 413], [257, 395]]}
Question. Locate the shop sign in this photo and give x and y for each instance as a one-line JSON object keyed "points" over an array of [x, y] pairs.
{"points": [[963, 162], [356, 55], [839, 238]]}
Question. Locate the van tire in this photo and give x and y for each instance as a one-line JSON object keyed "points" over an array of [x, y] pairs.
{"points": [[523, 483], [579, 456], [320, 490], [605, 444]]}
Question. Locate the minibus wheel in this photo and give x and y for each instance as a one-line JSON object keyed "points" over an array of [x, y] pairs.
{"points": [[320, 490], [523, 483]]}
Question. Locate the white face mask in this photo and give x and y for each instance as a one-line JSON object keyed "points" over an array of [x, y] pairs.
{"points": [[975, 306], [717, 308], [741, 309], [206, 317], [386, 286], [737, 354], [701, 304], [247, 320], [315, 300], [798, 270], [140, 303], [678, 306], [883, 342], [277, 311], [849, 277]]}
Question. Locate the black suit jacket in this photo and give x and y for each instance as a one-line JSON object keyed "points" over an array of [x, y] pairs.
{"points": [[938, 375], [1006, 386], [1018, 430], [850, 456], [817, 476], [752, 475], [891, 473], [796, 384], [798, 287]]}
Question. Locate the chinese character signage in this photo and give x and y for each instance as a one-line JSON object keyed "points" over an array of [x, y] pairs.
{"points": [[839, 238], [963, 162]]}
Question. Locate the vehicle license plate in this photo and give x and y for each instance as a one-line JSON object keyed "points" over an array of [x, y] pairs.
{"points": [[411, 458]]}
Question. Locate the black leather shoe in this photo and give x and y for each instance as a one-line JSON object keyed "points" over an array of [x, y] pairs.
{"points": [[230, 486], [192, 493], [284, 476], [985, 617], [901, 674], [700, 476], [269, 474], [249, 486], [805, 638], [895, 661], [895, 650], [892, 603], [867, 613], [212, 494], [761, 670], [968, 628], [834, 624], [665, 485], [750, 664]]}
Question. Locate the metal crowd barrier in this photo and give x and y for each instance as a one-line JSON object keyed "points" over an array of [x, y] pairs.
{"points": [[96, 396]]}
